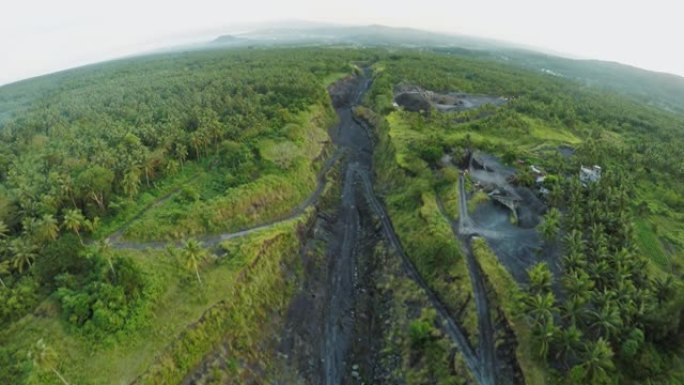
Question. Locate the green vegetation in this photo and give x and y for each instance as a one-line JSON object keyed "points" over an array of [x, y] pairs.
{"points": [[425, 233], [508, 295], [176, 146], [160, 147], [610, 302], [260, 289], [426, 354], [630, 140]]}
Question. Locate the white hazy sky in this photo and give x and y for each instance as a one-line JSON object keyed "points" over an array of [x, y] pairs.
{"points": [[42, 36]]}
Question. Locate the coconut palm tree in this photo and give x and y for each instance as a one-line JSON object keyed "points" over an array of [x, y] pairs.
{"points": [[607, 321], [575, 311], [4, 230], [131, 181], [73, 220], [47, 228], [568, 342], [544, 334], [550, 225], [574, 261], [541, 307], [4, 269], [45, 358], [574, 242], [578, 286], [598, 362], [540, 278], [23, 252], [193, 255]]}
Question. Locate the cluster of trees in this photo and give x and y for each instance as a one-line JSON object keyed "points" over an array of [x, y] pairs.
{"points": [[90, 139], [610, 316], [605, 319]]}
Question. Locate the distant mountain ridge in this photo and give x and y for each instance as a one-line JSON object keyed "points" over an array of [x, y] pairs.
{"points": [[365, 35], [662, 90]]}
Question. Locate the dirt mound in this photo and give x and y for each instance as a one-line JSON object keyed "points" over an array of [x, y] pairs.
{"points": [[413, 102], [416, 99]]}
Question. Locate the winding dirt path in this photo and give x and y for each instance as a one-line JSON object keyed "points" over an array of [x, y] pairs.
{"points": [[464, 230], [215, 239], [354, 142], [116, 236]]}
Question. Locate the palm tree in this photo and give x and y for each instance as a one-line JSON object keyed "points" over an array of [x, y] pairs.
{"points": [[545, 333], [578, 286], [66, 188], [540, 278], [91, 225], [607, 320], [24, 253], [574, 261], [568, 341], [73, 220], [29, 226], [131, 181], [4, 230], [47, 229], [550, 225], [193, 254], [664, 289], [4, 269], [152, 163], [541, 307], [598, 362], [574, 242], [45, 358], [172, 167], [575, 311], [181, 152]]}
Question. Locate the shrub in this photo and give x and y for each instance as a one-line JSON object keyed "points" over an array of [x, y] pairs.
{"points": [[102, 302]]}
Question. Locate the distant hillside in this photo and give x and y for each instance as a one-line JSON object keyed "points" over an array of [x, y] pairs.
{"points": [[308, 33], [665, 91], [228, 39], [654, 88]]}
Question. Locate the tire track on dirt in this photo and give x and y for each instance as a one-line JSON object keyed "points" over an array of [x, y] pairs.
{"points": [[214, 240], [464, 230]]}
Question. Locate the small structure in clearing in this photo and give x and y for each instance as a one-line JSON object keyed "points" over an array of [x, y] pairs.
{"points": [[589, 174]]}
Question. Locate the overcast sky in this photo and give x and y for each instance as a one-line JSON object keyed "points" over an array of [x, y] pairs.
{"points": [[42, 36]]}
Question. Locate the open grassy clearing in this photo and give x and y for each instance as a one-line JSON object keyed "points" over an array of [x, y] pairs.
{"points": [[287, 177], [178, 303]]}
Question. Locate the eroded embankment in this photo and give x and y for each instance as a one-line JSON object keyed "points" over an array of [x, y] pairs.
{"points": [[499, 364], [486, 342], [325, 314], [224, 341], [340, 291], [518, 246]]}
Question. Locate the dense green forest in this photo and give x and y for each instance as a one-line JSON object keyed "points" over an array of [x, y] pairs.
{"points": [[115, 177], [616, 317]]}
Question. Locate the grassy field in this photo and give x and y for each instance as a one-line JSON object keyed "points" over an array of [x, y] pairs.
{"points": [[181, 321], [178, 304], [287, 179]]}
